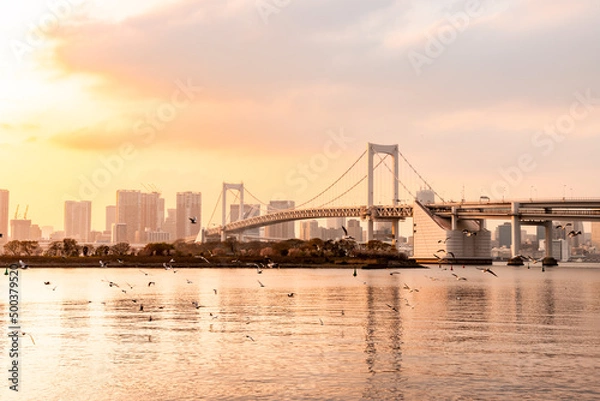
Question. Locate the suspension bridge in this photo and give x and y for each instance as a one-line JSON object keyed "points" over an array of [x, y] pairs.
{"points": [[384, 192]]}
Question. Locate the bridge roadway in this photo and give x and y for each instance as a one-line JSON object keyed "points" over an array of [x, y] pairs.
{"points": [[523, 210]]}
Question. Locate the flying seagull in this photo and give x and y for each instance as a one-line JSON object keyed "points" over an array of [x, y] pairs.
{"points": [[459, 278], [193, 220], [271, 264], [488, 271], [103, 264], [406, 287], [346, 236], [111, 283], [30, 336]]}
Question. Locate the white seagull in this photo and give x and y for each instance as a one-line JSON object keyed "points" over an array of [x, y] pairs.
{"points": [[346, 236]]}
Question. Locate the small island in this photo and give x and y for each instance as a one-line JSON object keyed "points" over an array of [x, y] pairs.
{"points": [[293, 253]]}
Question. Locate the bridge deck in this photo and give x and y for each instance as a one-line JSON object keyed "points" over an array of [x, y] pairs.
{"points": [[578, 209]]}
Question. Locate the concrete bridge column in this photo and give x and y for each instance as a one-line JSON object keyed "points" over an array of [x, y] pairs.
{"points": [[548, 228], [240, 189], [395, 231], [453, 219], [515, 246]]}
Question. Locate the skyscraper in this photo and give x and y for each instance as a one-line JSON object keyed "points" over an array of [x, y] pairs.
{"points": [[280, 230], [78, 220], [19, 229], [111, 217], [309, 230], [153, 212], [129, 212], [596, 234], [189, 204], [170, 224], [3, 215], [503, 235], [425, 196], [140, 212], [355, 230]]}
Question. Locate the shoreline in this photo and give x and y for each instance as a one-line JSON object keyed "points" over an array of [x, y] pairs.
{"points": [[186, 263]]}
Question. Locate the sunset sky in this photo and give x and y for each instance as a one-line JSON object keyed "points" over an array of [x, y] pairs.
{"points": [[501, 97]]}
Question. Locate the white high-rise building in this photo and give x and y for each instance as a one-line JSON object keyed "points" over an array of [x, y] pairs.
{"points": [[140, 212], [78, 220], [425, 196], [280, 230], [189, 205], [309, 230]]}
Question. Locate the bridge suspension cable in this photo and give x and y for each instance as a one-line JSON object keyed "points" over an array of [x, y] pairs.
{"points": [[254, 197], [335, 182], [345, 192], [396, 177], [419, 175], [353, 186], [215, 209]]}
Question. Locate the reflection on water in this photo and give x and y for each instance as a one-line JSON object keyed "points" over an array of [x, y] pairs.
{"points": [[308, 334]]}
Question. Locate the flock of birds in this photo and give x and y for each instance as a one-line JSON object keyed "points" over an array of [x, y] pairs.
{"points": [[441, 255]]}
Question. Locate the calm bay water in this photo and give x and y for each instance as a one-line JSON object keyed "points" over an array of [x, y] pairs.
{"points": [[418, 335]]}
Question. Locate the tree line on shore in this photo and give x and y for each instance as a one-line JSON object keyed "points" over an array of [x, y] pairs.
{"points": [[292, 249]]}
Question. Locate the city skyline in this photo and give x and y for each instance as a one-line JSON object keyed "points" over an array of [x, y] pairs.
{"points": [[193, 201], [482, 96]]}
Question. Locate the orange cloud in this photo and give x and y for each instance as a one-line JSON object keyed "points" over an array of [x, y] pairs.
{"points": [[92, 139]]}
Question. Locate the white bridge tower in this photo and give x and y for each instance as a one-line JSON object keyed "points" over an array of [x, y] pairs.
{"points": [[391, 150]]}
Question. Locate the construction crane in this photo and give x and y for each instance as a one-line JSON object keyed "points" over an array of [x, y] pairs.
{"points": [[151, 188], [17, 213], [25, 214]]}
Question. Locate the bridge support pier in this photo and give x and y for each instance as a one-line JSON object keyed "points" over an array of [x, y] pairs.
{"points": [[240, 189], [548, 232], [515, 246], [395, 231]]}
